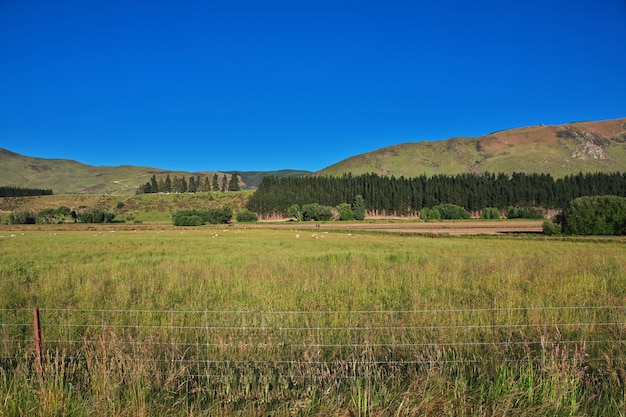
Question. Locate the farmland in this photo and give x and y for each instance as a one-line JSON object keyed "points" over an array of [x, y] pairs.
{"points": [[333, 321]]}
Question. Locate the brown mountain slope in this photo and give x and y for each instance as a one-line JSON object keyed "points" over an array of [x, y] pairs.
{"points": [[556, 150]]}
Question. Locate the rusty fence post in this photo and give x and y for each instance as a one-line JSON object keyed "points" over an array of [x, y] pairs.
{"points": [[37, 329]]}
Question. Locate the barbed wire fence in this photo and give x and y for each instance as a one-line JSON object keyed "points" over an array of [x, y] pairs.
{"points": [[292, 346]]}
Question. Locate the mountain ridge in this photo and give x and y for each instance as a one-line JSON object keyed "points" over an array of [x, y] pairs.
{"points": [[67, 176], [558, 150]]}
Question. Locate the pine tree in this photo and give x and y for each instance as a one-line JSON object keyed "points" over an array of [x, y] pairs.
{"points": [[233, 184], [358, 208], [168, 184], [207, 184], [224, 183], [176, 184], [191, 187], [215, 184], [154, 186]]}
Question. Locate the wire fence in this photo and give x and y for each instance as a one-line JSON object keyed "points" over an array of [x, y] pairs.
{"points": [[315, 344]]}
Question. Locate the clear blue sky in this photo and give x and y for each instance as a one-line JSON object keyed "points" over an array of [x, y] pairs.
{"points": [[264, 85]]}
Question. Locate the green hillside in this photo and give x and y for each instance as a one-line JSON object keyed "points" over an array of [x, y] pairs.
{"points": [[556, 150], [71, 177]]}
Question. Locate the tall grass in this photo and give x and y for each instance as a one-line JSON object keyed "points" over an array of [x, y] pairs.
{"points": [[457, 326]]}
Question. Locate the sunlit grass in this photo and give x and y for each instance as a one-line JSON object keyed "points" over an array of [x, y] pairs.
{"points": [[239, 269]]}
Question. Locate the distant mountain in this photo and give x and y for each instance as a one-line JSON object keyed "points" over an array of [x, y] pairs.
{"points": [[65, 176], [252, 179], [556, 150]]}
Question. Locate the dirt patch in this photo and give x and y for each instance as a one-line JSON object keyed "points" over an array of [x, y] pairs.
{"points": [[450, 228], [477, 227]]}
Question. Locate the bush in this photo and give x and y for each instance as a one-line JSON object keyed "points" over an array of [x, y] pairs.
{"points": [[551, 228], [46, 216], [309, 211], [187, 220], [21, 217], [193, 217], [247, 216], [452, 212], [599, 215], [53, 216], [345, 211], [430, 214], [63, 211], [219, 215], [490, 213], [315, 211], [294, 211], [94, 215], [524, 213], [324, 213]]}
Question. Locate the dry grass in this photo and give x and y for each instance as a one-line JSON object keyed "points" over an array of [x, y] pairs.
{"points": [[259, 270]]}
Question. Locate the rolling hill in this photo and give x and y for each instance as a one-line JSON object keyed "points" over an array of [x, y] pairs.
{"points": [[65, 176], [556, 150]]}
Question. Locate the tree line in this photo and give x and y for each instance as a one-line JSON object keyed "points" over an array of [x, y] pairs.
{"points": [[9, 191], [63, 214], [193, 185], [408, 196]]}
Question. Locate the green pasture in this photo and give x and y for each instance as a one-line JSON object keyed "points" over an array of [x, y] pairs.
{"points": [[304, 277]]}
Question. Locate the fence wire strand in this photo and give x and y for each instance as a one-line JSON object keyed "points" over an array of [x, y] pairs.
{"points": [[304, 344]]}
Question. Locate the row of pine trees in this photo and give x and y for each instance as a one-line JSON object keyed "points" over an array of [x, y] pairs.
{"points": [[407, 196], [10, 191], [194, 185]]}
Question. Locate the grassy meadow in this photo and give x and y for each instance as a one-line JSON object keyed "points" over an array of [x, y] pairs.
{"points": [[303, 322]]}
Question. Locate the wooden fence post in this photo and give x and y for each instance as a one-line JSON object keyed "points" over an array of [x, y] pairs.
{"points": [[37, 328]]}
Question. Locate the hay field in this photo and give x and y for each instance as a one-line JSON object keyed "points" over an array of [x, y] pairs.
{"points": [[463, 317]]}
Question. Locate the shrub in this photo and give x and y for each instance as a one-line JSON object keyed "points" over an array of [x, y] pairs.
{"points": [[524, 213], [188, 220], [52, 216], [46, 216], [599, 215], [193, 217], [452, 212], [324, 213], [309, 211], [551, 228], [63, 211], [221, 215], [247, 216], [315, 211], [294, 211], [94, 215], [345, 211], [490, 213], [21, 217], [430, 214]]}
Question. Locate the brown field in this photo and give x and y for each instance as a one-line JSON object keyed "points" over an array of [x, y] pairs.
{"points": [[453, 228]]}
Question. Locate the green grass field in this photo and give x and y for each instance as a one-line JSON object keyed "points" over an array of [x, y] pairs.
{"points": [[447, 326]]}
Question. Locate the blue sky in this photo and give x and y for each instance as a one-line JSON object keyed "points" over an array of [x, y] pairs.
{"points": [[264, 85]]}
